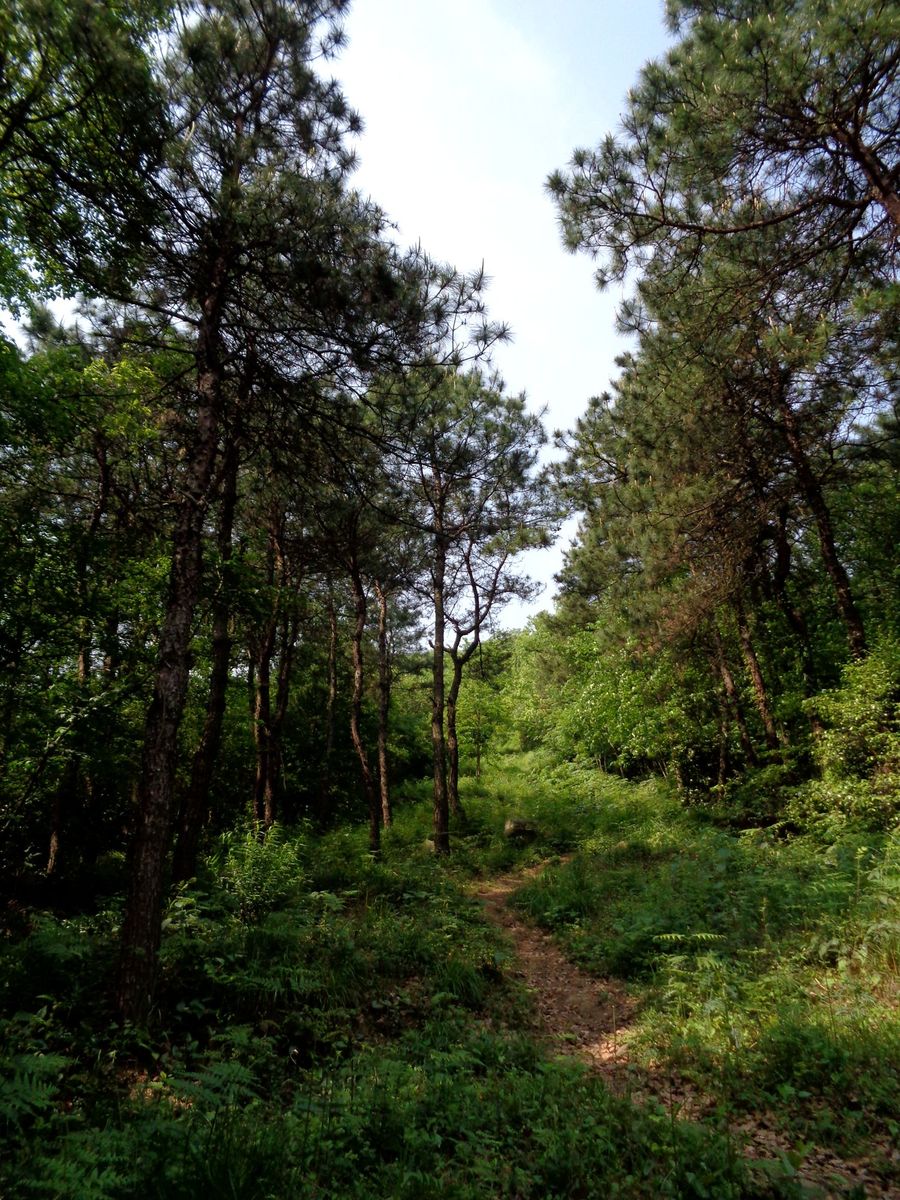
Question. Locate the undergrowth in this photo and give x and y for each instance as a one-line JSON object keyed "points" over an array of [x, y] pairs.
{"points": [[332, 1026], [767, 967], [327, 1026]]}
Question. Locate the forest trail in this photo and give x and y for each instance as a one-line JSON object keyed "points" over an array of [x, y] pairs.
{"points": [[593, 1020]]}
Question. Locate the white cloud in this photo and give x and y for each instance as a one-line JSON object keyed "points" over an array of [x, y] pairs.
{"points": [[467, 109]]}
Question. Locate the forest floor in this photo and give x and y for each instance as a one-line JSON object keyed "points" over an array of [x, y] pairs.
{"points": [[593, 1020], [639, 1002]]}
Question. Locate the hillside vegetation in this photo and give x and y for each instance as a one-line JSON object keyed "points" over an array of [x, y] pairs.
{"points": [[328, 1025], [287, 819]]}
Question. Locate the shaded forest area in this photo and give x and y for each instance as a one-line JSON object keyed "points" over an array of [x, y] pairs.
{"points": [[262, 498]]}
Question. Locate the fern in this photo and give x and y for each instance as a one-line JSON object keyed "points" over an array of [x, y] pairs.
{"points": [[29, 1085]]}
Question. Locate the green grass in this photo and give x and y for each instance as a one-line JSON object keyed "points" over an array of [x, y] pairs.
{"points": [[327, 1026], [331, 1026], [768, 969]]}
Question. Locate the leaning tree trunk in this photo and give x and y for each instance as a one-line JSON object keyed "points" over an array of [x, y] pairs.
{"points": [[754, 670], [371, 792], [815, 498], [142, 923], [384, 704], [195, 807], [733, 702]]}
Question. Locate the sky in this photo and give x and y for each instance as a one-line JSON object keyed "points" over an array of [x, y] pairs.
{"points": [[467, 109]]}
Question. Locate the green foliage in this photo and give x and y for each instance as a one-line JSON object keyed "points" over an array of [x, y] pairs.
{"points": [[858, 751], [260, 868], [80, 128], [348, 1039], [766, 967], [356, 1036], [862, 735]]}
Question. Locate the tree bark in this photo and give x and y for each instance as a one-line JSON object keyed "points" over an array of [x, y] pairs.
{"points": [[369, 789], [754, 670], [289, 631], [194, 809], [142, 923], [733, 702], [438, 746], [815, 498], [384, 704], [262, 726], [331, 698], [795, 618], [75, 777], [881, 179], [722, 773], [453, 739]]}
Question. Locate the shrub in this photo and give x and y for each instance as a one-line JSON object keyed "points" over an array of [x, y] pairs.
{"points": [[260, 870]]}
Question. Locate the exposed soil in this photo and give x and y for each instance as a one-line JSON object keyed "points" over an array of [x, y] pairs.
{"points": [[593, 1020]]}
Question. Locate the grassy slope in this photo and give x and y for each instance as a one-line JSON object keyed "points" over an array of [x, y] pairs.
{"points": [[333, 1027], [768, 969]]}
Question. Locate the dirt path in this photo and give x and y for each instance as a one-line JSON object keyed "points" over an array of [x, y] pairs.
{"points": [[593, 1019]]}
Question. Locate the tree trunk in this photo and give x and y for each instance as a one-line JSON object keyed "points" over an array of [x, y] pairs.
{"points": [[438, 747], [262, 727], [880, 177], [722, 774], [815, 498], [754, 670], [142, 923], [195, 807], [75, 776], [325, 778], [734, 703], [263, 730], [452, 738], [289, 630], [384, 703], [371, 792], [795, 618]]}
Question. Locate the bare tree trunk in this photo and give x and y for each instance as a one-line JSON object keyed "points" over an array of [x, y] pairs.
{"points": [[453, 739], [289, 630], [722, 774], [263, 729], [734, 702], [438, 746], [325, 779], [111, 650], [371, 792], [384, 703], [795, 618], [74, 778], [192, 817], [754, 670], [141, 927], [262, 725], [75, 775], [815, 498]]}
